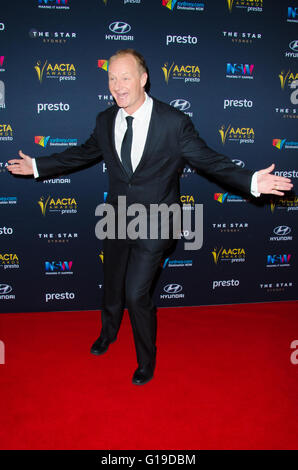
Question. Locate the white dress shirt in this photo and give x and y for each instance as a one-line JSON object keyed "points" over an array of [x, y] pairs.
{"points": [[140, 125]]}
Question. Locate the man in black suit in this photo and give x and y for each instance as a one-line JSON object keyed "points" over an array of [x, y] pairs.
{"points": [[144, 143]]}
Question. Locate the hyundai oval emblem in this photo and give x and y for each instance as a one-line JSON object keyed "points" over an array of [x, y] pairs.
{"points": [[172, 288], [119, 27]]}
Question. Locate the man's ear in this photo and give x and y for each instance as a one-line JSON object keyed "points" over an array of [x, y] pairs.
{"points": [[144, 78]]}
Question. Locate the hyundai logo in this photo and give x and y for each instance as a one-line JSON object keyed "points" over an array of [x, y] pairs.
{"points": [[172, 288], [294, 45], [282, 230], [239, 163], [119, 27], [180, 104], [5, 289]]}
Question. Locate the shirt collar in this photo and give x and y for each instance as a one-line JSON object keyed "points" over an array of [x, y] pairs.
{"points": [[140, 113]]}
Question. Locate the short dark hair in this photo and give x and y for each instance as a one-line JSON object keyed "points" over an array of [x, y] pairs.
{"points": [[139, 58]]}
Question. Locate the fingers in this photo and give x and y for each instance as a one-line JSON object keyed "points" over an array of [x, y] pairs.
{"points": [[282, 184], [15, 169], [277, 193], [279, 186], [22, 155], [267, 170]]}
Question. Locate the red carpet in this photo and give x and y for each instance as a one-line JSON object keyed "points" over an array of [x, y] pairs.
{"points": [[224, 380]]}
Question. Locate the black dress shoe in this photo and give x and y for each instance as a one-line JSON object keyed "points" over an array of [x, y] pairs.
{"points": [[142, 375], [100, 346]]}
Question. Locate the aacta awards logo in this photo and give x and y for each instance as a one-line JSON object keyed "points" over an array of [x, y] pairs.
{"points": [[6, 132], [61, 72], [187, 73], [60, 205], [248, 5], [194, 5], [289, 203], [232, 255], [240, 135], [286, 78], [9, 261]]}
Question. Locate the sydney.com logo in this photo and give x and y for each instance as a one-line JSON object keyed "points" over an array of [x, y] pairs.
{"points": [[194, 5], [284, 144]]}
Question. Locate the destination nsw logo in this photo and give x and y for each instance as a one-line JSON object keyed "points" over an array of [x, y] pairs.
{"points": [[43, 141], [58, 267], [2, 61], [54, 4], [244, 71], [278, 261], [292, 14], [191, 5]]}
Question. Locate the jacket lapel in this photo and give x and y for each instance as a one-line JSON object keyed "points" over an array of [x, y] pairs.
{"points": [[111, 131], [152, 138]]}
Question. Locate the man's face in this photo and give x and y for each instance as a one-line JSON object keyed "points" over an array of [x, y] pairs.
{"points": [[126, 83]]}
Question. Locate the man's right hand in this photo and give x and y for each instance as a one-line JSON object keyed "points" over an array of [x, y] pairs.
{"points": [[21, 166]]}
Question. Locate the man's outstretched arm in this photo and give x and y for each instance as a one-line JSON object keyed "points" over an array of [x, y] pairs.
{"points": [[199, 155], [71, 159]]}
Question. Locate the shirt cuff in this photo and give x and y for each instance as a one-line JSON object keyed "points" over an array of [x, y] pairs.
{"points": [[254, 185], [35, 170]]}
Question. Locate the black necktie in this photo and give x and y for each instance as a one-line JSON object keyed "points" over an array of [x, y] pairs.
{"points": [[126, 147]]}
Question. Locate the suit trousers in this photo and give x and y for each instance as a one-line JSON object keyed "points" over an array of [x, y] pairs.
{"points": [[129, 270]]}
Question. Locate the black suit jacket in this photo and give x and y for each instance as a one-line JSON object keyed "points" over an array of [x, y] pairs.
{"points": [[172, 141]]}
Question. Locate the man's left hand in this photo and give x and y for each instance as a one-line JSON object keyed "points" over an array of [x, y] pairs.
{"points": [[272, 184]]}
